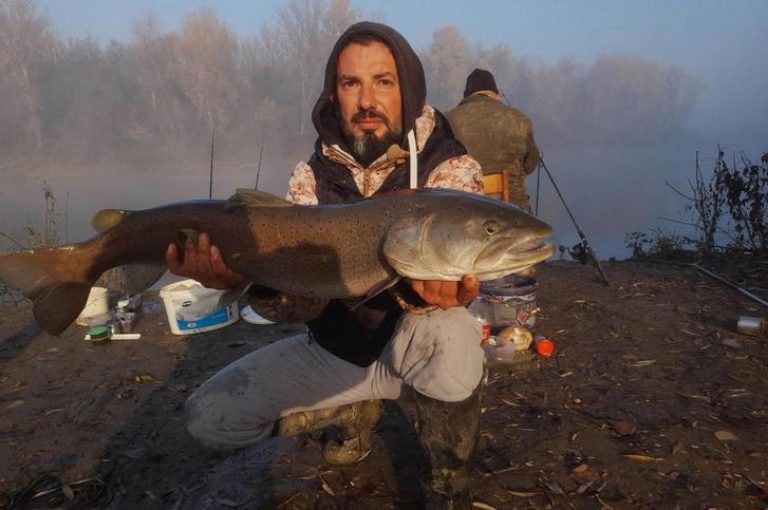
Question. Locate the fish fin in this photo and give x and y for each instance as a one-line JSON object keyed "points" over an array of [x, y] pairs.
{"points": [[108, 218], [55, 280], [233, 294], [255, 198], [60, 306], [388, 284], [138, 277]]}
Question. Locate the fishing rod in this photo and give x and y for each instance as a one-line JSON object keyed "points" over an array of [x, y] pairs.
{"points": [[210, 174], [261, 153], [583, 252]]}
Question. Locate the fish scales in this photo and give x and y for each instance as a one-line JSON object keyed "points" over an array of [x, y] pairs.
{"points": [[331, 251]]}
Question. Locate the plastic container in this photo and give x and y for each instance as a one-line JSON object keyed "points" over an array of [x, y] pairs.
{"points": [[192, 308], [507, 301], [99, 334], [96, 310], [499, 351]]}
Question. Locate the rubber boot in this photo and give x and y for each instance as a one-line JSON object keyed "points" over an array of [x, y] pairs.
{"points": [[354, 424], [448, 432]]}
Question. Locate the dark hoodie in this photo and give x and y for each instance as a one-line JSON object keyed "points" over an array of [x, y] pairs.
{"points": [[334, 181], [410, 73], [359, 335]]}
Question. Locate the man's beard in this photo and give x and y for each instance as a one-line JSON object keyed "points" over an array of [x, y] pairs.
{"points": [[367, 149]]}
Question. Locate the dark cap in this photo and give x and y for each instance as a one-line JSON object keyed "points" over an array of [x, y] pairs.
{"points": [[478, 80]]}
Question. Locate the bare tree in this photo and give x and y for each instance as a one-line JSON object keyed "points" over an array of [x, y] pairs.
{"points": [[446, 66], [302, 38], [206, 66], [25, 42], [155, 54]]}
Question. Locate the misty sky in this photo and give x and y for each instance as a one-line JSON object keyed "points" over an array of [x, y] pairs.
{"points": [[725, 43]]}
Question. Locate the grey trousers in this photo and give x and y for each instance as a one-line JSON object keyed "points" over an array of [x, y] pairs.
{"points": [[437, 354]]}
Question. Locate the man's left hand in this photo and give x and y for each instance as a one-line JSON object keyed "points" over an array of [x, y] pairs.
{"points": [[447, 294]]}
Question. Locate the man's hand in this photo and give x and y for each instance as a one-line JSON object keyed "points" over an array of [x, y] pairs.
{"points": [[202, 262], [447, 294]]}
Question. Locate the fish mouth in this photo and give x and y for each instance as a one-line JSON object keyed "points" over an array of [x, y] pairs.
{"points": [[501, 259]]}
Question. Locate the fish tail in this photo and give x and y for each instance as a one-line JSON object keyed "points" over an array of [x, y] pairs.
{"points": [[57, 281]]}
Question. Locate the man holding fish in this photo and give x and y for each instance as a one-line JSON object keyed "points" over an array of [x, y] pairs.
{"points": [[377, 135], [371, 118]]}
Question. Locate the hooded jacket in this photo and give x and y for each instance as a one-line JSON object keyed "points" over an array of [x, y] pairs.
{"points": [[500, 138], [333, 176]]}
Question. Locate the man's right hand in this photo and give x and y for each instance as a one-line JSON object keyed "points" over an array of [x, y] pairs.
{"points": [[202, 262]]}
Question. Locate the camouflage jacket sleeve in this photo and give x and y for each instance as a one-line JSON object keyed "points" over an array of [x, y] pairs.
{"points": [[461, 173]]}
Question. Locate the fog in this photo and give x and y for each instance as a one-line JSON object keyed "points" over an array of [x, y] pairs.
{"points": [[128, 123]]}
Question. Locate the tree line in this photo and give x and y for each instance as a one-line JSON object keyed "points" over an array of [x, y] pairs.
{"points": [[81, 100]]}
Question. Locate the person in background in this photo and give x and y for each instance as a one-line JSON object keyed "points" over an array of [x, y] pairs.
{"points": [[416, 339], [499, 137]]}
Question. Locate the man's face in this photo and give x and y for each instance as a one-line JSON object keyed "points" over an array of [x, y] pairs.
{"points": [[368, 95]]}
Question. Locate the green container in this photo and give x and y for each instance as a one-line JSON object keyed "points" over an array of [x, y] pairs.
{"points": [[99, 334]]}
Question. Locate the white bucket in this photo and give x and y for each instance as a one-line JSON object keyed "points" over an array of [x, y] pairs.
{"points": [[96, 309], [192, 308]]}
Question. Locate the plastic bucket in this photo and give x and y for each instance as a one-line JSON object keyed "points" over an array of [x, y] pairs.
{"points": [[96, 309], [192, 308], [507, 301]]}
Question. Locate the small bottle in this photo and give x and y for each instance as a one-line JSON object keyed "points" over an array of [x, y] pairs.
{"points": [[543, 345], [486, 330], [480, 313]]}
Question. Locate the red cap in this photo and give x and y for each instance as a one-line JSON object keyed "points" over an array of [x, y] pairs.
{"points": [[545, 347]]}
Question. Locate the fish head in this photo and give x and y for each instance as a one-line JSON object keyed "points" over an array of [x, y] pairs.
{"points": [[450, 234]]}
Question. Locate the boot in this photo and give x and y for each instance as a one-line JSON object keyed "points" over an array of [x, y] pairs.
{"points": [[448, 432], [354, 424]]}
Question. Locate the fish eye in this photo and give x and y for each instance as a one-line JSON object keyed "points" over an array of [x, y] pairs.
{"points": [[491, 227]]}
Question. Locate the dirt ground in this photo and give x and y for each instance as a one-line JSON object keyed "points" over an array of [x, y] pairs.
{"points": [[652, 400]]}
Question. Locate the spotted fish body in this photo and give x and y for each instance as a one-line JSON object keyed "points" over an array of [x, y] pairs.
{"points": [[330, 251]]}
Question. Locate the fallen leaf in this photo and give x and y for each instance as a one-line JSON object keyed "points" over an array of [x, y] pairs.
{"points": [[521, 494], [623, 428], [642, 458], [326, 487], [482, 506], [15, 403], [732, 342], [580, 469], [724, 435], [68, 492]]}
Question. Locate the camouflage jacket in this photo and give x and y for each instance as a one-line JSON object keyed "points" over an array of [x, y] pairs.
{"points": [[499, 138], [459, 173]]}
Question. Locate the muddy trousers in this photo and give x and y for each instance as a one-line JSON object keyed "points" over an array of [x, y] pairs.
{"points": [[448, 432], [436, 354]]}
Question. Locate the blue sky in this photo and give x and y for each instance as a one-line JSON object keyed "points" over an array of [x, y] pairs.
{"points": [[673, 30], [725, 43]]}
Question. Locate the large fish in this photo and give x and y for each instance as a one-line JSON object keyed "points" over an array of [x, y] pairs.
{"points": [[329, 251]]}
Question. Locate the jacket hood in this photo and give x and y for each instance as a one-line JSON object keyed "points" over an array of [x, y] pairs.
{"points": [[413, 89]]}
